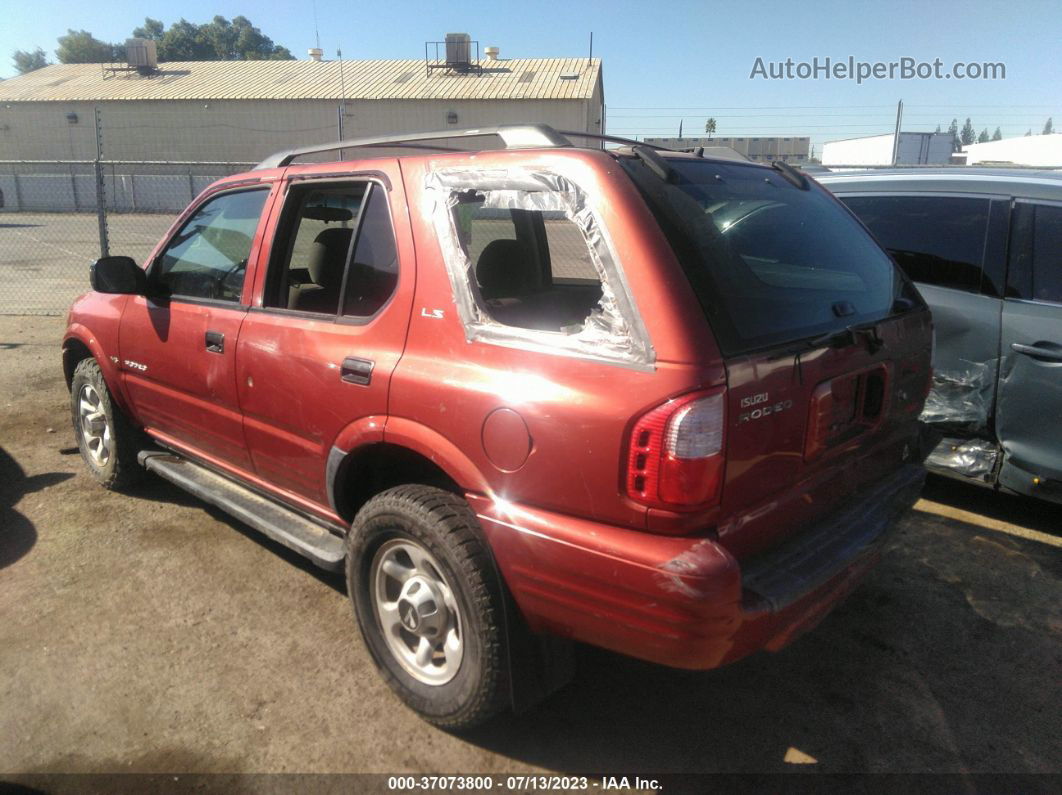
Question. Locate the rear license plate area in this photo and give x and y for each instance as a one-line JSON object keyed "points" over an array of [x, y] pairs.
{"points": [[845, 408]]}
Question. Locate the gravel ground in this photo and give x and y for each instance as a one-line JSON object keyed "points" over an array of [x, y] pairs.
{"points": [[146, 632]]}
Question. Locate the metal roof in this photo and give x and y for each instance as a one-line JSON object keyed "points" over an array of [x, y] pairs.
{"points": [[523, 78]]}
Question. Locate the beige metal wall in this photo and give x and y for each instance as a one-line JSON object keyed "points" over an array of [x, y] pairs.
{"points": [[248, 130]]}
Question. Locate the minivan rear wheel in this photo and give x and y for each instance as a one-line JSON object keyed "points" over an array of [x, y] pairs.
{"points": [[428, 602]]}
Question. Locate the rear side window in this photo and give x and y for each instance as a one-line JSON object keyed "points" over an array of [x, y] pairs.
{"points": [[938, 240], [770, 263], [532, 267], [479, 228], [1036, 253], [208, 257], [569, 257]]}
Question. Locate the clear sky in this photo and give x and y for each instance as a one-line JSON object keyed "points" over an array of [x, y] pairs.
{"points": [[670, 60]]}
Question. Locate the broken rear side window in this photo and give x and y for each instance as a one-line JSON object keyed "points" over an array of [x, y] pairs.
{"points": [[531, 266]]}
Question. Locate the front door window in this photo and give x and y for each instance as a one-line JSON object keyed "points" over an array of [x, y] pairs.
{"points": [[207, 259]]}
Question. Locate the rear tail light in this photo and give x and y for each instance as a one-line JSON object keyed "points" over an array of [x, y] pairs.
{"points": [[675, 456]]}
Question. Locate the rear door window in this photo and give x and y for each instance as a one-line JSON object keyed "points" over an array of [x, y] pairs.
{"points": [[937, 240], [318, 235], [373, 272], [1036, 253], [336, 252]]}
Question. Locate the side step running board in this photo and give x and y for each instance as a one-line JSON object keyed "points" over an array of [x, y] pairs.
{"points": [[279, 523]]}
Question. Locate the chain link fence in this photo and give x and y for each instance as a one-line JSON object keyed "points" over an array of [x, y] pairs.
{"points": [[57, 216]]}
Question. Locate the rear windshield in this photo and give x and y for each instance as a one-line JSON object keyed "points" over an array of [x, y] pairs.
{"points": [[770, 263]]}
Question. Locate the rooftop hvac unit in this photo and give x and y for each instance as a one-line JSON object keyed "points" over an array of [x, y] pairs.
{"points": [[142, 54], [458, 49]]}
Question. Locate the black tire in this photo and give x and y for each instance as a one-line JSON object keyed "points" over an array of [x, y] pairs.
{"points": [[119, 470], [443, 524]]}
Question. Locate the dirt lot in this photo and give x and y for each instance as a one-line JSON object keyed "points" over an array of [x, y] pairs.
{"points": [[148, 633]]}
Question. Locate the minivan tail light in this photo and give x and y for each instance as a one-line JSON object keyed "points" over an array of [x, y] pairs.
{"points": [[675, 456]]}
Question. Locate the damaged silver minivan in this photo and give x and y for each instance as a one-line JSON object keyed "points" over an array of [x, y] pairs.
{"points": [[985, 249]]}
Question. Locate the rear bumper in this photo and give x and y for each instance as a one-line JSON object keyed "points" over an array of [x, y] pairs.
{"points": [[686, 602]]}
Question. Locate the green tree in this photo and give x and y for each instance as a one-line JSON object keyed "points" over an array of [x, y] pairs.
{"points": [[968, 135], [983, 137], [253, 45], [709, 127], [1049, 127], [28, 61], [217, 40], [222, 37], [953, 131], [184, 41], [1028, 132], [151, 29], [80, 46], [997, 135], [938, 128]]}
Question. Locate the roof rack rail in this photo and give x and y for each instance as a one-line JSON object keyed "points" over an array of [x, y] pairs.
{"points": [[613, 139], [513, 136]]}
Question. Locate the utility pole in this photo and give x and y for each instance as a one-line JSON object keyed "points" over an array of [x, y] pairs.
{"points": [[101, 193], [342, 109]]}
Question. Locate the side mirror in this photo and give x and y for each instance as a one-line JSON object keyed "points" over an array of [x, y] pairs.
{"points": [[120, 275]]}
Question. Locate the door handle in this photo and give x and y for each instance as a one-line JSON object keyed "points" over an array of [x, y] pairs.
{"points": [[1037, 352], [356, 371], [215, 342]]}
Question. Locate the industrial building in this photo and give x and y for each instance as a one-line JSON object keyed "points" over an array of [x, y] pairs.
{"points": [[757, 148], [1027, 150], [241, 111], [915, 148]]}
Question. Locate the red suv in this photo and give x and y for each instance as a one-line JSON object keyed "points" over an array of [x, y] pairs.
{"points": [[643, 399]]}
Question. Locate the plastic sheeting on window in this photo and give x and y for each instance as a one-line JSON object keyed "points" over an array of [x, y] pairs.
{"points": [[612, 332], [962, 398], [974, 458]]}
